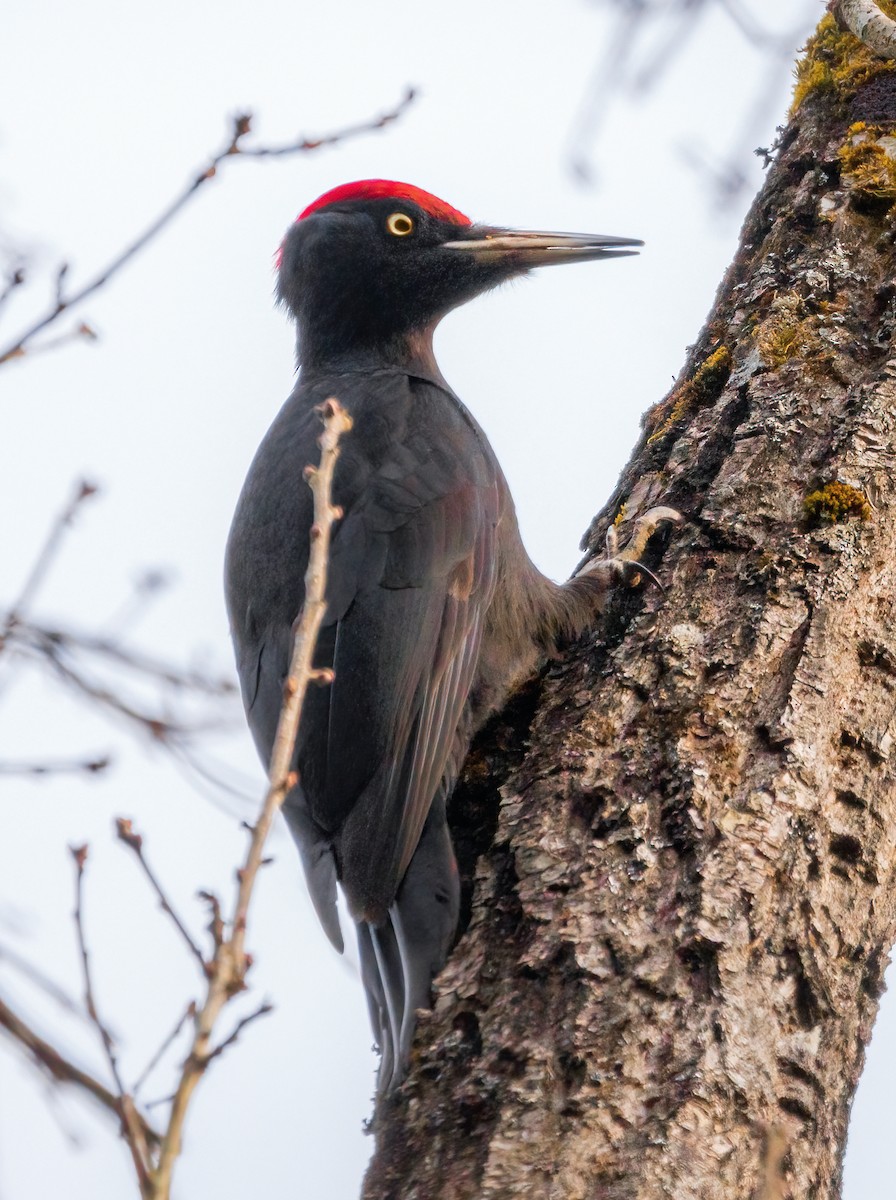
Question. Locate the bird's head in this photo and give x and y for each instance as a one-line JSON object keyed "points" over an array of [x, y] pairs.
{"points": [[369, 265]]}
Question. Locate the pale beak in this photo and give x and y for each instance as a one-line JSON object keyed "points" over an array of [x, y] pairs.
{"points": [[528, 248]]}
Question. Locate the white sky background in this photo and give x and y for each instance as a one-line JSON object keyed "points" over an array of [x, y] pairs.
{"points": [[106, 111]]}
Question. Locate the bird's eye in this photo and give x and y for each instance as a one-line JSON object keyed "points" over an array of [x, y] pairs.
{"points": [[400, 224]]}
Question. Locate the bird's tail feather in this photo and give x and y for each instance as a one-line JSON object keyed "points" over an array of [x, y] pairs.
{"points": [[401, 957]]}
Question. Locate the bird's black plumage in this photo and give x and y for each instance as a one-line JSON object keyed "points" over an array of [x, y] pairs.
{"points": [[411, 577], [434, 608]]}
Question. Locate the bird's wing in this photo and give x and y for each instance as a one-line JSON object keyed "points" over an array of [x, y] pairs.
{"points": [[412, 573]]}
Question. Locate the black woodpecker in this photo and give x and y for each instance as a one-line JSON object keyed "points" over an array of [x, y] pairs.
{"points": [[435, 611]]}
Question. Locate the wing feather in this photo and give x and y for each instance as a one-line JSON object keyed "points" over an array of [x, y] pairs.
{"points": [[411, 577], [406, 649]]}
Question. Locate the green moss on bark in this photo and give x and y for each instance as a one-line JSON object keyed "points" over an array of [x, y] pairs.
{"points": [[702, 390], [836, 63], [836, 502]]}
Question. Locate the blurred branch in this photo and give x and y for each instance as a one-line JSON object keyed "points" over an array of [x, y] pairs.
{"points": [[230, 963], [303, 145], [150, 584], [225, 970], [162, 728], [133, 1127], [79, 854], [85, 766], [262, 1011], [47, 553], [187, 701], [240, 129], [36, 976], [645, 41], [214, 780], [14, 280], [82, 332], [64, 652], [61, 1070], [125, 833], [754, 31], [189, 1011], [144, 664]]}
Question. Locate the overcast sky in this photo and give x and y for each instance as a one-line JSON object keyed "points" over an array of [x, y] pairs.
{"points": [[107, 110]]}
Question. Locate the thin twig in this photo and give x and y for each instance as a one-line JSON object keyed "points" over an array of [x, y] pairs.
{"points": [[79, 854], [231, 962], [135, 660], [869, 23], [241, 127], [646, 40], [130, 1120], [213, 779], [189, 1012], [60, 1069], [125, 833], [13, 281], [304, 144], [47, 553], [82, 332], [74, 766], [154, 1157], [160, 728], [40, 980], [151, 583], [216, 919], [778, 44], [261, 1011], [301, 673], [60, 652]]}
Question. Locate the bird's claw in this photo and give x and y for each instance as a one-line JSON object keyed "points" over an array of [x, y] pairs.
{"points": [[623, 562]]}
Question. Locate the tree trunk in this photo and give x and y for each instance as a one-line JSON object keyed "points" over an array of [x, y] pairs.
{"points": [[679, 840]]}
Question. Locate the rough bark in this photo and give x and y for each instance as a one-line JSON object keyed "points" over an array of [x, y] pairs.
{"points": [[679, 841]]}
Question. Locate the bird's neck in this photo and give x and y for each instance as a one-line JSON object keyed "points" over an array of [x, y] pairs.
{"points": [[411, 352]]}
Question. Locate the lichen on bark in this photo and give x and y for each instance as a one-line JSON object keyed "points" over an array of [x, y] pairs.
{"points": [[678, 843]]}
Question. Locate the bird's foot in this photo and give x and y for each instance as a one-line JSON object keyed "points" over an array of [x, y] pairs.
{"points": [[625, 562]]}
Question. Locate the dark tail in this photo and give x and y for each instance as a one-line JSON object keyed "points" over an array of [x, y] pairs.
{"points": [[401, 957]]}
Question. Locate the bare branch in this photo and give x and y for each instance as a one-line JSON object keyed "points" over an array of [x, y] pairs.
{"points": [[189, 1012], [36, 976], [159, 727], [79, 854], [13, 281], [869, 23], [216, 919], [231, 962], [301, 673], [125, 833], [63, 651], [261, 1011], [241, 127], [214, 781], [82, 766], [48, 551], [61, 1070], [153, 1156], [145, 589], [304, 144], [645, 42], [132, 1128], [105, 647], [60, 284], [80, 332], [781, 45]]}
